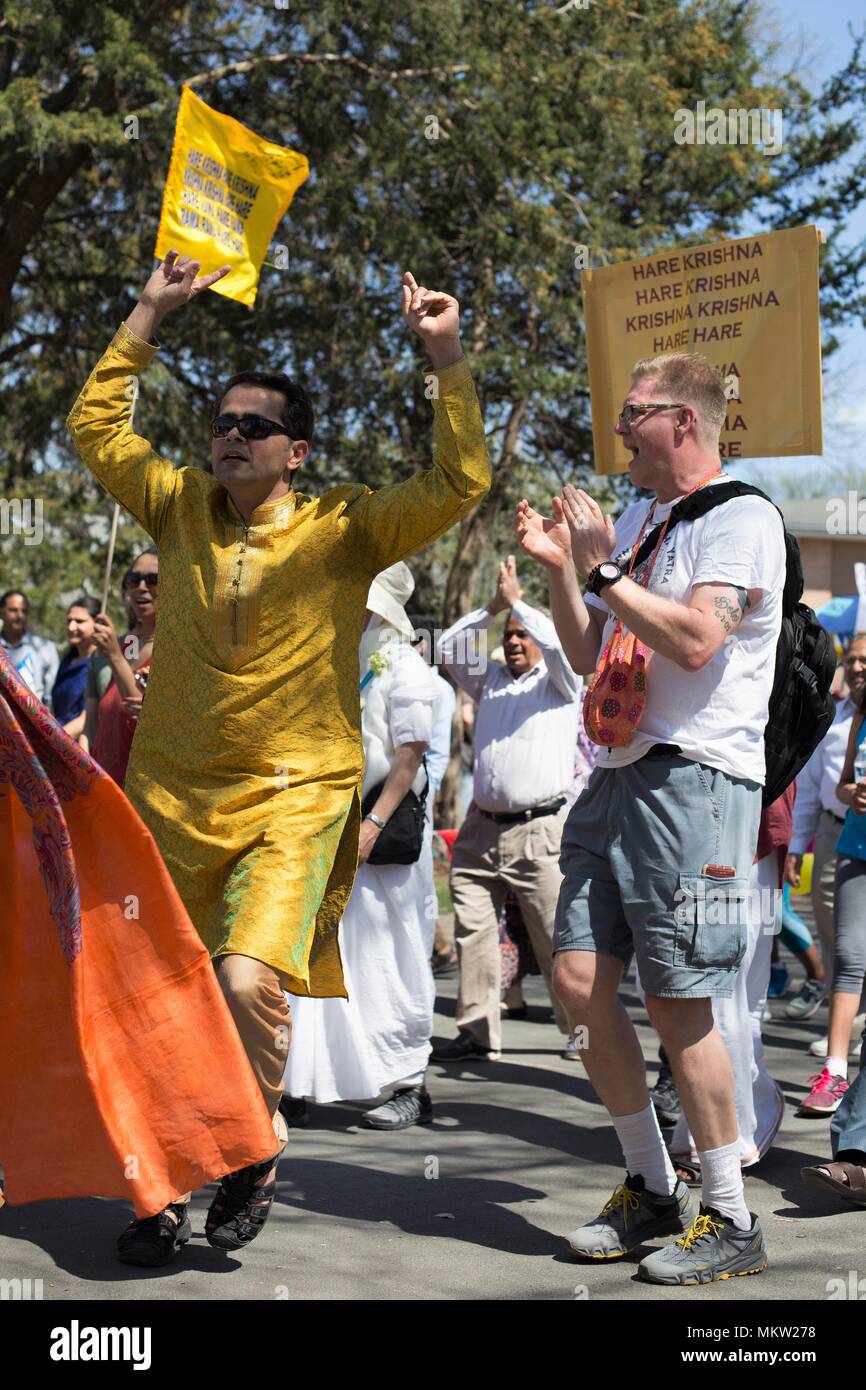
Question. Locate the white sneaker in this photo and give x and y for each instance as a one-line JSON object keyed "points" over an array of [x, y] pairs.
{"points": [[570, 1052], [819, 1046]]}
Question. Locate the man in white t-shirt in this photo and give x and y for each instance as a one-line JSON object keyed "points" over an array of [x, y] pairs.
{"points": [[656, 852]]}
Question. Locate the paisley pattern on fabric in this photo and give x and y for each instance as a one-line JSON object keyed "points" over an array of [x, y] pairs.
{"points": [[44, 766]]}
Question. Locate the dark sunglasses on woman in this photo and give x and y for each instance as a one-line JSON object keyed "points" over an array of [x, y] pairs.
{"points": [[133, 578]]}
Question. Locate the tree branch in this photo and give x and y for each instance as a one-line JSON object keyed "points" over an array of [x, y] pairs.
{"points": [[229, 69]]}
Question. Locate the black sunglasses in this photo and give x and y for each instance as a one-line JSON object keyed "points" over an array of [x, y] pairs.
{"points": [[248, 426], [632, 409], [133, 578]]}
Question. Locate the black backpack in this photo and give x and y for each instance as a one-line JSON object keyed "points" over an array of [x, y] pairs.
{"points": [[801, 706]]}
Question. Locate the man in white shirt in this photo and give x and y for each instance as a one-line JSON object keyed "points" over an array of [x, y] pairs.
{"points": [[35, 659], [525, 736], [657, 850], [819, 812]]}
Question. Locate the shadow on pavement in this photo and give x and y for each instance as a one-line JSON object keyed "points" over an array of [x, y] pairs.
{"points": [[79, 1234], [471, 1209], [531, 1127]]}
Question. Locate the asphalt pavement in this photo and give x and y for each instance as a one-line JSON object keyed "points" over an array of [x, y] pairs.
{"points": [[474, 1206]]}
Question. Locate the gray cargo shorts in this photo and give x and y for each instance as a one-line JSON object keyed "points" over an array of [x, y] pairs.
{"points": [[656, 859]]}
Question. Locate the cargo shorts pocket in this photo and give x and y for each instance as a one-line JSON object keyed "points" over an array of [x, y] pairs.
{"points": [[710, 921]]}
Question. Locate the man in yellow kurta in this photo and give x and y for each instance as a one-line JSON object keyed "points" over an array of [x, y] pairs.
{"points": [[247, 759]]}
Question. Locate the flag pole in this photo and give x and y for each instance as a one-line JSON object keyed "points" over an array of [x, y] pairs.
{"points": [[110, 558]]}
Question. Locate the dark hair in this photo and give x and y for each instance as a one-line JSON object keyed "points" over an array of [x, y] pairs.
{"points": [[297, 413], [85, 601], [426, 627], [11, 593]]}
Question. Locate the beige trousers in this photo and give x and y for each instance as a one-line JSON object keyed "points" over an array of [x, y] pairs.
{"points": [[488, 859], [258, 1006]]}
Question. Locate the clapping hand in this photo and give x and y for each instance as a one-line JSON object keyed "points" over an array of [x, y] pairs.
{"points": [[592, 533], [547, 541], [508, 591]]}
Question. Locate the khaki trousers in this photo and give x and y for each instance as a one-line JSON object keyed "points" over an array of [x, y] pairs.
{"points": [[258, 1006], [488, 859]]}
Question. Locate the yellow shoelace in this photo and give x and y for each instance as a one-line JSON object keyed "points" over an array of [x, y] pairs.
{"points": [[702, 1225], [624, 1197]]}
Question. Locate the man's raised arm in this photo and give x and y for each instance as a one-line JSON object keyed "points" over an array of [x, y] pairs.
{"points": [[100, 421], [397, 520]]}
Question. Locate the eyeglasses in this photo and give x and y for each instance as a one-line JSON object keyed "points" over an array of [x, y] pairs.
{"points": [[632, 409], [855, 661], [248, 426], [133, 578]]}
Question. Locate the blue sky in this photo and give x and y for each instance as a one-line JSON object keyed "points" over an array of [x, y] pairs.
{"points": [[814, 36]]}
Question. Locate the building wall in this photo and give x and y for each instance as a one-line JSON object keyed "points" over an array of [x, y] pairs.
{"points": [[828, 566]]}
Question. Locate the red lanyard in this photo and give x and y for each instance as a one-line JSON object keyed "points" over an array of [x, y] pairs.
{"points": [[645, 577]]}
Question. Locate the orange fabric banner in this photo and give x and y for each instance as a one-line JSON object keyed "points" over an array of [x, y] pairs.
{"points": [[121, 1070]]}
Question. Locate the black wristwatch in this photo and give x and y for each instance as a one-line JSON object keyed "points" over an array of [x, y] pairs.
{"points": [[608, 572]]}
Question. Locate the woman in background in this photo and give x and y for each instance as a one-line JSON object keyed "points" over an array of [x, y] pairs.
{"points": [[68, 692], [118, 676]]}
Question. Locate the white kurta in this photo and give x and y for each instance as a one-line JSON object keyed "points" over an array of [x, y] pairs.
{"points": [[352, 1049]]}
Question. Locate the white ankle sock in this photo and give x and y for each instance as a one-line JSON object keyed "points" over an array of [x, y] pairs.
{"points": [[722, 1184], [838, 1066], [644, 1150]]}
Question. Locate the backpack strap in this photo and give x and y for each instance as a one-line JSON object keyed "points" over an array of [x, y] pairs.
{"points": [[697, 505]]}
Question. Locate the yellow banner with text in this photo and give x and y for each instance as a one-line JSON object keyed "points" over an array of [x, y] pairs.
{"points": [[749, 305], [226, 190]]}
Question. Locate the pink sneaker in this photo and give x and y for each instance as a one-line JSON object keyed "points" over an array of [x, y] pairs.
{"points": [[826, 1094]]}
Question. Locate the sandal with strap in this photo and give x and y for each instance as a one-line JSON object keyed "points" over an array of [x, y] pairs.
{"points": [[155, 1240], [687, 1167], [833, 1177], [242, 1203]]}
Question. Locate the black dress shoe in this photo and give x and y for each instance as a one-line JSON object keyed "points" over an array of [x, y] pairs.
{"points": [[463, 1048]]}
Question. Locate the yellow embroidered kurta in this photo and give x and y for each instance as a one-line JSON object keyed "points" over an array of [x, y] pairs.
{"points": [[247, 759]]}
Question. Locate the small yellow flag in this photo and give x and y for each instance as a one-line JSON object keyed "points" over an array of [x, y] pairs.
{"points": [[226, 190]]}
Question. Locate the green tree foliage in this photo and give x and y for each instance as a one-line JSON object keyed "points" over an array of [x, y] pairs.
{"points": [[477, 144]]}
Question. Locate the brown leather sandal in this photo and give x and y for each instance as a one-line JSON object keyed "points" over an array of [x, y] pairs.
{"points": [[832, 1176]]}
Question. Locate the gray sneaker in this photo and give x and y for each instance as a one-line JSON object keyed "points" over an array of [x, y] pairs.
{"points": [[712, 1248], [808, 1001], [409, 1106], [630, 1217]]}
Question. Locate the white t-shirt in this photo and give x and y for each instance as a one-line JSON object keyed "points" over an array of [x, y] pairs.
{"points": [[717, 715]]}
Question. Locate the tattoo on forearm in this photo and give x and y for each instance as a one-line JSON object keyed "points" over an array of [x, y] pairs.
{"points": [[727, 612], [742, 597]]}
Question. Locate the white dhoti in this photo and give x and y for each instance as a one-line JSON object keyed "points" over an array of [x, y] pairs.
{"points": [[352, 1049], [759, 1101]]}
